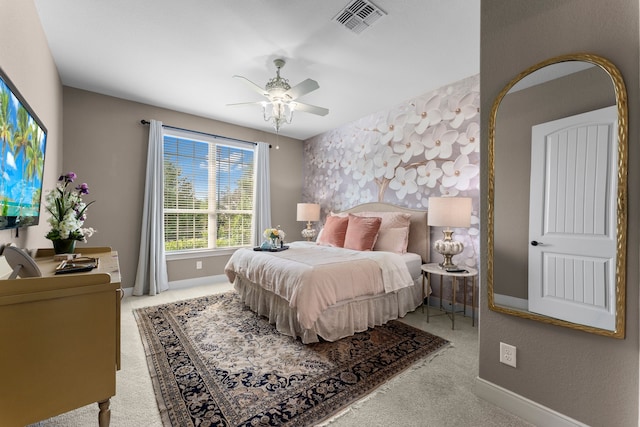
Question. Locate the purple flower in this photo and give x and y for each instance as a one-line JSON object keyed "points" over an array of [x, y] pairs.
{"points": [[69, 177], [83, 188]]}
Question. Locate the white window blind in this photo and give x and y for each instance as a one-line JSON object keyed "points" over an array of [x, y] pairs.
{"points": [[208, 191]]}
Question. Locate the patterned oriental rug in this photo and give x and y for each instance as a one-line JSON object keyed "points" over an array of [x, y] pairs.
{"points": [[214, 362]]}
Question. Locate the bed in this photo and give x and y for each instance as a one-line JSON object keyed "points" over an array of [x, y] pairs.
{"points": [[319, 291]]}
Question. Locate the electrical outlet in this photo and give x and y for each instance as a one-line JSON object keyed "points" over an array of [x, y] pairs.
{"points": [[508, 354], [198, 265]]}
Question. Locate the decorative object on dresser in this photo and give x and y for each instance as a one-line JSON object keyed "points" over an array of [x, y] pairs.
{"points": [[275, 238], [68, 213], [22, 265], [308, 212], [215, 362], [449, 212]]}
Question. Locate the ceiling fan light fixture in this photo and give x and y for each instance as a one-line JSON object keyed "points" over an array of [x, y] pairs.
{"points": [[281, 98], [278, 112]]}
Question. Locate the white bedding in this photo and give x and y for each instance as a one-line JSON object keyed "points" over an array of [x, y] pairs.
{"points": [[312, 278]]}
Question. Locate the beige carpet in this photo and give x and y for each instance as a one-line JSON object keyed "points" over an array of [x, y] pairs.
{"points": [[215, 362], [438, 393]]}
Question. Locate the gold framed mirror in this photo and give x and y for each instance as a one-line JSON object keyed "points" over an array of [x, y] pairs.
{"points": [[557, 195]]}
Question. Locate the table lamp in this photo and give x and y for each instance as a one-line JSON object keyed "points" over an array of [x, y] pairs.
{"points": [[449, 212], [308, 212]]}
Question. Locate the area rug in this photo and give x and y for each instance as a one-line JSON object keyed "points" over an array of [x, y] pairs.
{"points": [[214, 362]]}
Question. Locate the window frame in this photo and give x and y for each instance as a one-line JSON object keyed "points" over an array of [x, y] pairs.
{"points": [[214, 141]]}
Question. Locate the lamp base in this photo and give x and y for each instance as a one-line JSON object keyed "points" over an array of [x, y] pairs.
{"points": [[309, 233], [448, 247]]}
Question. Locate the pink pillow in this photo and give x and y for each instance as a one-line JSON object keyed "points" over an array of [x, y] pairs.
{"points": [[392, 240], [362, 232], [334, 231], [390, 219]]}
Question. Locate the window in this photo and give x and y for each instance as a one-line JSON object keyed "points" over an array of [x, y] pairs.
{"points": [[208, 191]]}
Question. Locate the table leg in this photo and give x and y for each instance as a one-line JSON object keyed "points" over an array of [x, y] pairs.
{"points": [[473, 301], [464, 300], [422, 300], [454, 283], [428, 297], [441, 307], [104, 416]]}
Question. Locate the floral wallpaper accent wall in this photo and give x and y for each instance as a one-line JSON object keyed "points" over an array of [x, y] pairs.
{"points": [[426, 146]]}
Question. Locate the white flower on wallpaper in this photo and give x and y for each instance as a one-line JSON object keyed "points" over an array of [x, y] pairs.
{"points": [[427, 146], [392, 127], [429, 174], [404, 182], [426, 113], [386, 162], [460, 110], [470, 139], [459, 174], [363, 172], [439, 142]]}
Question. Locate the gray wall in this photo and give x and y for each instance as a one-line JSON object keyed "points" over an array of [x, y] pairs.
{"points": [[105, 144], [26, 59], [590, 378]]}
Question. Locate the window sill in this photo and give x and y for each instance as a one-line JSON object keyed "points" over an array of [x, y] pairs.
{"points": [[204, 253]]}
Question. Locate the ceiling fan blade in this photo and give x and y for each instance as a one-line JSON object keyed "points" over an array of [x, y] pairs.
{"points": [[307, 108], [252, 85], [245, 103], [302, 88]]}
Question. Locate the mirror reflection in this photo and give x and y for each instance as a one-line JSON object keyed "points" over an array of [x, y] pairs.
{"points": [[557, 191]]}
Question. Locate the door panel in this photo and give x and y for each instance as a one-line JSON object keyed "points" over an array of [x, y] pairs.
{"points": [[572, 217]]}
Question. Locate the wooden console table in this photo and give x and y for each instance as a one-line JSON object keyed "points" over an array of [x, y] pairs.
{"points": [[60, 340]]}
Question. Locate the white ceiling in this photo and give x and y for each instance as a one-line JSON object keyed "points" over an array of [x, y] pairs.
{"points": [[181, 55]]}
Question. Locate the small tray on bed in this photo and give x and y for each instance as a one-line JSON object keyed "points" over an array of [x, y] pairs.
{"points": [[283, 248]]}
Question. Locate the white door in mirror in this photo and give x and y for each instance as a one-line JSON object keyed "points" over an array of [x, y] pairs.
{"points": [[572, 219]]}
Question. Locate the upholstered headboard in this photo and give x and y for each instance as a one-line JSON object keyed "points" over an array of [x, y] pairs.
{"points": [[418, 231]]}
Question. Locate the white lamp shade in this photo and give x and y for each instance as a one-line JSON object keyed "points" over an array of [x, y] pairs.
{"points": [[449, 211], [308, 212]]}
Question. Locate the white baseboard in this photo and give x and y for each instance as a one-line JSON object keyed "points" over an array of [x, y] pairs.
{"points": [[522, 407], [188, 283], [198, 281]]}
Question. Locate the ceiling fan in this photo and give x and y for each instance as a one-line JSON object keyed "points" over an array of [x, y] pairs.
{"points": [[282, 98]]}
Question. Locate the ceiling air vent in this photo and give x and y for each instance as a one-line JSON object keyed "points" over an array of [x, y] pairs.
{"points": [[359, 15]]}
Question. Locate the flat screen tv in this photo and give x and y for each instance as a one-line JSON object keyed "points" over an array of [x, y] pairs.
{"points": [[23, 138]]}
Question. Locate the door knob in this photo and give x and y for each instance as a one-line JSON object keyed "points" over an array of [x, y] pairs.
{"points": [[534, 243]]}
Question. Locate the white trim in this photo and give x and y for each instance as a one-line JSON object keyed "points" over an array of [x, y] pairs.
{"points": [[198, 281], [522, 407], [188, 283], [203, 253]]}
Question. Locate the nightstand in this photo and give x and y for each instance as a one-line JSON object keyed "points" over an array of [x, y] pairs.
{"points": [[433, 268]]}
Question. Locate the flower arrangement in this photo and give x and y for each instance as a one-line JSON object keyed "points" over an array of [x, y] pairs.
{"points": [[274, 234], [68, 211]]}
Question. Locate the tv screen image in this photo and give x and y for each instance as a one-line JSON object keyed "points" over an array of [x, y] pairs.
{"points": [[23, 138]]}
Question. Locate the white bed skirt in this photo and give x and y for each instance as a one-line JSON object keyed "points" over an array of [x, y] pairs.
{"points": [[338, 321]]}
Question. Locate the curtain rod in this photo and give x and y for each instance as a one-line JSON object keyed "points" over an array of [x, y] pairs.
{"points": [[146, 122]]}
